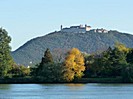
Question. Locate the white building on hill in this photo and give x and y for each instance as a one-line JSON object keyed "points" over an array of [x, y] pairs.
{"points": [[76, 29]]}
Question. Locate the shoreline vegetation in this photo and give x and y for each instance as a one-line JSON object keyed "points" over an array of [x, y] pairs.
{"points": [[114, 65], [40, 81]]}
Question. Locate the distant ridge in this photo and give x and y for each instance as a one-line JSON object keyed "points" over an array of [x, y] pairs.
{"points": [[89, 41]]}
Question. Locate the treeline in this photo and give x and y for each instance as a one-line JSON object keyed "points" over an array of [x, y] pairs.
{"points": [[70, 69], [116, 62]]}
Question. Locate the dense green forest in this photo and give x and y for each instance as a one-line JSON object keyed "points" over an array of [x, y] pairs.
{"points": [[115, 62]]}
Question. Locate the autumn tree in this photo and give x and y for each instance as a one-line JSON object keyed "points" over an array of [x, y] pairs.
{"points": [[74, 65], [5, 50], [121, 47]]}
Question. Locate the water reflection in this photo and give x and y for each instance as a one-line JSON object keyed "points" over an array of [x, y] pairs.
{"points": [[5, 86], [66, 91], [70, 86], [75, 86]]}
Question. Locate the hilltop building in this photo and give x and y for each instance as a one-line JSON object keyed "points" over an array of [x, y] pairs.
{"points": [[76, 29], [82, 29], [99, 30]]}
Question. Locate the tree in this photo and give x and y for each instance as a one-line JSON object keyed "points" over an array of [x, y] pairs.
{"points": [[74, 65], [6, 60], [121, 47], [51, 72], [127, 73], [130, 57], [19, 71], [45, 60], [99, 65], [47, 57], [47, 70], [110, 62]]}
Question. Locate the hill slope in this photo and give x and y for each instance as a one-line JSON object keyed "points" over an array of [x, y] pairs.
{"points": [[89, 42]]}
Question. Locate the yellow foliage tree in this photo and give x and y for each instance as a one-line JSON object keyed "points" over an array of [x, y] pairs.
{"points": [[121, 47], [74, 65]]}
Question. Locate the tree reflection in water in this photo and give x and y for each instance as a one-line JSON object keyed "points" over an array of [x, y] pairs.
{"points": [[5, 86], [75, 86]]}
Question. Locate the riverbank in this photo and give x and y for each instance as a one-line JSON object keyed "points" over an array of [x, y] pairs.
{"points": [[29, 80]]}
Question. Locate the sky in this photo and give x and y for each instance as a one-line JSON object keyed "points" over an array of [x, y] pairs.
{"points": [[27, 19]]}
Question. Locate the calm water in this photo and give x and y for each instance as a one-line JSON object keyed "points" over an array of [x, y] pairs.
{"points": [[66, 91]]}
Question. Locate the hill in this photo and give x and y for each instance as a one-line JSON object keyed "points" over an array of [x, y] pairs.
{"points": [[90, 41]]}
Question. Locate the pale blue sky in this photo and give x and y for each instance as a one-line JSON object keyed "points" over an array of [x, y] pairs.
{"points": [[27, 19]]}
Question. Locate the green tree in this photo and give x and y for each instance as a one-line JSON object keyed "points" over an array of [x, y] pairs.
{"points": [[99, 65], [47, 70], [110, 62], [89, 60], [6, 60], [19, 71], [106, 62], [113, 61], [45, 60], [51, 72], [47, 57], [24, 71], [74, 65], [130, 57], [127, 73]]}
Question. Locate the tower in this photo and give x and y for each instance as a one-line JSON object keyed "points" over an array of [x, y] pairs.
{"points": [[61, 27], [85, 25]]}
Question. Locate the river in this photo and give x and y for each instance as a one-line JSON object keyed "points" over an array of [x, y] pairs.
{"points": [[66, 91]]}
